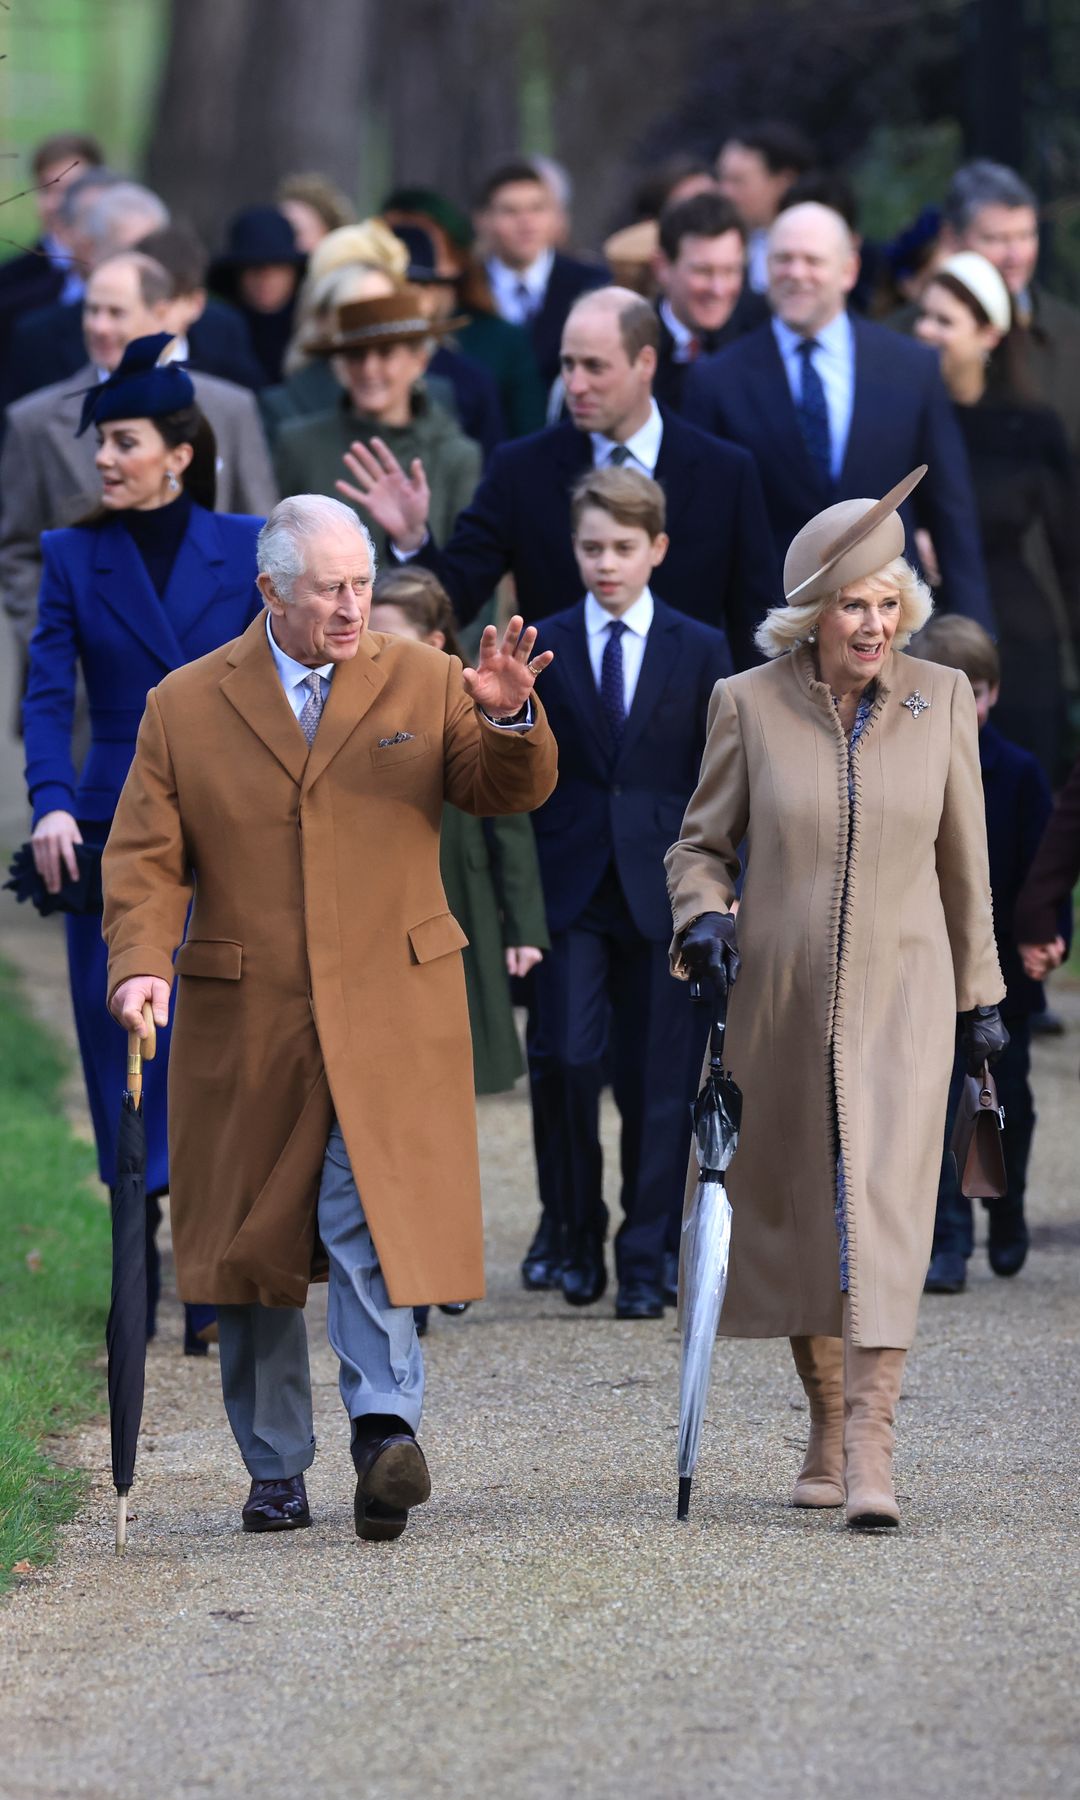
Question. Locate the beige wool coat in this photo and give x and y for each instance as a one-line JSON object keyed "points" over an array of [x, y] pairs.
{"points": [[321, 970], [873, 1010]]}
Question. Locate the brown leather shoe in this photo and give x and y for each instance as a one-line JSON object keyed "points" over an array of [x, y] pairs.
{"points": [[280, 1505], [820, 1364], [391, 1476]]}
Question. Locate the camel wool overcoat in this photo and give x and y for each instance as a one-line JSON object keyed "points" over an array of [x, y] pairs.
{"points": [[861, 939], [320, 974]]}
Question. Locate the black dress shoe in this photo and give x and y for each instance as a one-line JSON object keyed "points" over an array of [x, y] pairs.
{"points": [[280, 1505], [454, 1307], [639, 1300], [391, 1476], [544, 1257], [1008, 1237], [947, 1273], [584, 1278], [670, 1288]]}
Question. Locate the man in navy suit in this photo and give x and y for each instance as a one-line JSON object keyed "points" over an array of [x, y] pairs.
{"points": [[631, 681], [833, 407], [721, 567], [532, 283]]}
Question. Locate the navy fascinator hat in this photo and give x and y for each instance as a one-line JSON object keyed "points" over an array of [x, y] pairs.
{"points": [[140, 387]]}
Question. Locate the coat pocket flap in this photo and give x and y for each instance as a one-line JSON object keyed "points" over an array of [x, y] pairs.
{"points": [[215, 958], [436, 937]]}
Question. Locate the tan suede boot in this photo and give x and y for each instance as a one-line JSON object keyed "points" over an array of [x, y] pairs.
{"points": [[820, 1363], [872, 1381]]}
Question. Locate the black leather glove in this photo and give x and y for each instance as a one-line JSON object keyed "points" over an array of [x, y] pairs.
{"points": [[984, 1035], [709, 951]]}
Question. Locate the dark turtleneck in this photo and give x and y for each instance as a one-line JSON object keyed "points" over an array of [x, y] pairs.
{"points": [[158, 535]]}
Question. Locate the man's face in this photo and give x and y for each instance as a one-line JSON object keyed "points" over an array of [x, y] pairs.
{"points": [[328, 611], [268, 287], [986, 698], [705, 280], [52, 181], [603, 387], [519, 223], [114, 313], [748, 182], [812, 268], [1008, 236]]}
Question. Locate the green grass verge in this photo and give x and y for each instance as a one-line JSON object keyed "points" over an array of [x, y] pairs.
{"points": [[54, 1285]]}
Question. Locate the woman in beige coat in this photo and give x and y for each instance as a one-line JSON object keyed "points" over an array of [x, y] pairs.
{"points": [[852, 774]]}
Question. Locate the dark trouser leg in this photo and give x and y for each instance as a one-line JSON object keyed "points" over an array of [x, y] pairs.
{"points": [[266, 1386], [658, 1042], [1011, 1072], [953, 1231], [571, 1024]]}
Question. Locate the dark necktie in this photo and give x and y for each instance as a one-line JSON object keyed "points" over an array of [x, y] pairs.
{"points": [[312, 708], [813, 413], [526, 303], [618, 456], [612, 688]]}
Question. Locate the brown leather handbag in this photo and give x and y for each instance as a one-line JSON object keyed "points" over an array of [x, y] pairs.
{"points": [[976, 1138]]}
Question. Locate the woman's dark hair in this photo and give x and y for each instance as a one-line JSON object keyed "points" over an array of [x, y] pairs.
{"points": [[200, 477], [420, 595], [1009, 373]]}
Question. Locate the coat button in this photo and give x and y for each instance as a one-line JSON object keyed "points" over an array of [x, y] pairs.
{"points": [[616, 791]]}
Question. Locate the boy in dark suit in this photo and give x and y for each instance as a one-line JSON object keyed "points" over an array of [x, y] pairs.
{"points": [[628, 696], [1018, 804]]}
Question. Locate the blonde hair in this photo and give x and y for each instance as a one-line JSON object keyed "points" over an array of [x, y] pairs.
{"points": [[784, 628]]}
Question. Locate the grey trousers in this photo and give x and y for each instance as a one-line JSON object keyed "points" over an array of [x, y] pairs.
{"points": [[265, 1378]]}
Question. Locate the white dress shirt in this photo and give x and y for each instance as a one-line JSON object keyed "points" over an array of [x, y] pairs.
{"points": [[294, 675], [757, 260], [682, 335], [834, 361], [644, 446], [637, 619], [506, 285]]}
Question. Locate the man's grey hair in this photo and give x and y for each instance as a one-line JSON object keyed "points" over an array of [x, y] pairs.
{"points": [[281, 548], [81, 193], [556, 177], [983, 183], [121, 215]]}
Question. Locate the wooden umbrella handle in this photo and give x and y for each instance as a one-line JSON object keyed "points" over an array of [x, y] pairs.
{"points": [[141, 1050]]}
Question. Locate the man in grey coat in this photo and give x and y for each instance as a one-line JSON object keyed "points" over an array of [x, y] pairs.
{"points": [[47, 474]]}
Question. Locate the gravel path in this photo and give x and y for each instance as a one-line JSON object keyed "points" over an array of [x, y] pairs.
{"points": [[545, 1629]]}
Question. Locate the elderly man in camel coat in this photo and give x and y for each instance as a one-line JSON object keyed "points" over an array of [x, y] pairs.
{"points": [[321, 1102]]}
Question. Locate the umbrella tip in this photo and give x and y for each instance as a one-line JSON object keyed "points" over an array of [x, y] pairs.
{"points": [[684, 1496]]}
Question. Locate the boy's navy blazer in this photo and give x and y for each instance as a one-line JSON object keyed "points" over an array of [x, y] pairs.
{"points": [[98, 609], [627, 808], [901, 416], [721, 566], [1018, 806]]}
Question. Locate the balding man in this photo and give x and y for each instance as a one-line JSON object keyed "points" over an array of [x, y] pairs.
{"points": [[288, 789], [721, 566], [47, 474], [834, 408]]}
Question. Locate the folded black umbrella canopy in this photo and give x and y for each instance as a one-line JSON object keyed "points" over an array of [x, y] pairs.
{"points": [[125, 1333]]}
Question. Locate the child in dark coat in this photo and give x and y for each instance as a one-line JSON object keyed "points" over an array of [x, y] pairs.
{"points": [[1018, 804]]}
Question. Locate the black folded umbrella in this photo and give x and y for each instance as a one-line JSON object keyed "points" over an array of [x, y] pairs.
{"points": [[125, 1333], [81, 896]]}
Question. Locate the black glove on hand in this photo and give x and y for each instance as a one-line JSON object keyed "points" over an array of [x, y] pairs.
{"points": [[985, 1037], [709, 951]]}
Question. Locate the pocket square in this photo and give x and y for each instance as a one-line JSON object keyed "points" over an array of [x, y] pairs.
{"points": [[399, 737]]}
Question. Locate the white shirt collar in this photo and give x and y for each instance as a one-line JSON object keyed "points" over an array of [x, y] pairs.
{"points": [[636, 618], [681, 333], [292, 673], [834, 338], [535, 277], [644, 446]]}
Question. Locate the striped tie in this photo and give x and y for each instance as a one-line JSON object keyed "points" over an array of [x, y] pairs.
{"points": [[312, 709]]}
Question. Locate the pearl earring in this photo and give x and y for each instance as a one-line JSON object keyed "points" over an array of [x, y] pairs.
{"points": [[811, 636]]}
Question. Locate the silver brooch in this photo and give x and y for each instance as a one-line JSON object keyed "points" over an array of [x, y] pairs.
{"points": [[915, 704]]}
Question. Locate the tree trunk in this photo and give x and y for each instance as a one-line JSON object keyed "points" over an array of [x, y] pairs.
{"points": [[252, 90]]}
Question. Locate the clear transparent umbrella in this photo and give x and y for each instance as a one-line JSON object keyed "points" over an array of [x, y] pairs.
{"points": [[706, 1242]]}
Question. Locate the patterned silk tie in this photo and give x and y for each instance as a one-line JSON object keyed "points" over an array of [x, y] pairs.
{"points": [[312, 708], [618, 456], [813, 413], [612, 686]]}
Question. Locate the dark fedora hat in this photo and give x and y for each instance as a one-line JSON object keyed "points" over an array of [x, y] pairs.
{"points": [[396, 318], [258, 234]]}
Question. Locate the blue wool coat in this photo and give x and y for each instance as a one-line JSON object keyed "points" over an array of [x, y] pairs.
{"points": [[98, 611]]}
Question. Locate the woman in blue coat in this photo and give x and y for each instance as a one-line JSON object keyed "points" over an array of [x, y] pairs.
{"points": [[151, 580]]}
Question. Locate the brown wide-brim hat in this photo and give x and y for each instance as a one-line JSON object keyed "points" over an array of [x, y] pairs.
{"points": [[846, 543], [396, 318]]}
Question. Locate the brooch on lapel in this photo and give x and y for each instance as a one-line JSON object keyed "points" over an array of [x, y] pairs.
{"points": [[915, 704], [399, 737]]}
